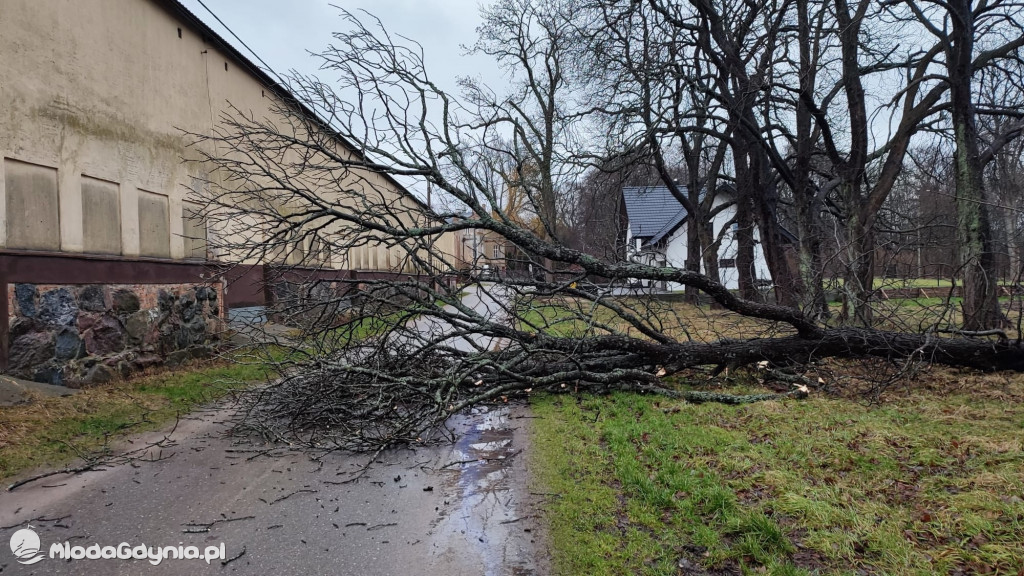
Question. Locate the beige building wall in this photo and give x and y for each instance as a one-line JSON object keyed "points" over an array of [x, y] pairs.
{"points": [[96, 94]]}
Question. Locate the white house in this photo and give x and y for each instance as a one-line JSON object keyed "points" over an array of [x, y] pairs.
{"points": [[656, 233]]}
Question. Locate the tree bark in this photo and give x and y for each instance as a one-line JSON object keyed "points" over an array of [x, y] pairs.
{"points": [[859, 271], [694, 223], [744, 236], [848, 342], [808, 206], [710, 254], [974, 231], [860, 238]]}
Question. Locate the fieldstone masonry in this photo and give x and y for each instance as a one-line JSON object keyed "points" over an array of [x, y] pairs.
{"points": [[81, 335]]}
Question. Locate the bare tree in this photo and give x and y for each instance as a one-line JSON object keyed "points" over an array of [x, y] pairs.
{"points": [[384, 358], [648, 81], [971, 37]]}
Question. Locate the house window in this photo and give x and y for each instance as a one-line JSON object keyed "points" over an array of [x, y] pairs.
{"points": [[727, 263], [319, 251], [154, 225], [295, 251], [101, 216], [497, 252], [193, 231], [32, 214]]}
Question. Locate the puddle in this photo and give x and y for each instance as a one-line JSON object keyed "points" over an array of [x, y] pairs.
{"points": [[486, 495]]}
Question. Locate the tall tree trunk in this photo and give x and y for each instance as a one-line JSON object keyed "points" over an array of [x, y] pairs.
{"points": [[694, 220], [974, 232], [745, 249], [859, 273], [788, 289], [693, 252], [710, 254], [1012, 246], [810, 261], [860, 237], [744, 236]]}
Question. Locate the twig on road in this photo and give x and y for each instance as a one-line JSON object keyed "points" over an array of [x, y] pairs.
{"points": [[200, 527]]}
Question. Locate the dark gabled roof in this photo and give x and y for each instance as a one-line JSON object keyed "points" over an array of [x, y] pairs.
{"points": [[653, 212]]}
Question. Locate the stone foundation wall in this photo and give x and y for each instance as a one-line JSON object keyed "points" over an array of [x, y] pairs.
{"points": [[76, 335]]}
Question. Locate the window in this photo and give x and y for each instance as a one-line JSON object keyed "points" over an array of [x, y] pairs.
{"points": [[727, 263], [32, 214], [295, 250], [154, 225], [193, 231], [497, 252], [101, 216], [320, 251]]}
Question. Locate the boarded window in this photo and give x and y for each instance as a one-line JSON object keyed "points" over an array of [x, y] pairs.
{"points": [[33, 219], [319, 251], [101, 216], [194, 231], [727, 263], [295, 251], [154, 225]]}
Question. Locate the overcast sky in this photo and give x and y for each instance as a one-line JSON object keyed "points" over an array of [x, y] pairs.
{"points": [[281, 33]]}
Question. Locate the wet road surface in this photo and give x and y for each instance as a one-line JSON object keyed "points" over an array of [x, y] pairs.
{"points": [[452, 509], [487, 299]]}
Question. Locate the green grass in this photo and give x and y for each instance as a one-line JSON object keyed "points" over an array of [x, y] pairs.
{"points": [[352, 331], [929, 483], [913, 283], [53, 431]]}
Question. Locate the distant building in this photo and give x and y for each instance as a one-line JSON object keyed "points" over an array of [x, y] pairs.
{"points": [[478, 251], [656, 233]]}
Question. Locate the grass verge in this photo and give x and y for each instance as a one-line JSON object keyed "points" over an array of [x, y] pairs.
{"points": [[929, 482], [52, 431]]}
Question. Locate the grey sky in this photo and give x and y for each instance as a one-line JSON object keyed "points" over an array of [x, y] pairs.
{"points": [[282, 32]]}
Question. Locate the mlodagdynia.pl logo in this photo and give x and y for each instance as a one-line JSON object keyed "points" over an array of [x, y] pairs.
{"points": [[25, 547]]}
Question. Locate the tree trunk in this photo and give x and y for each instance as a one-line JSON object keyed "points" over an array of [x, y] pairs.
{"points": [[859, 273], [788, 289], [762, 195], [694, 242], [710, 254], [848, 342], [974, 232], [1012, 246], [745, 249], [810, 261]]}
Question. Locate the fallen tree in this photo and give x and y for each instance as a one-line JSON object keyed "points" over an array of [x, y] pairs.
{"points": [[386, 357]]}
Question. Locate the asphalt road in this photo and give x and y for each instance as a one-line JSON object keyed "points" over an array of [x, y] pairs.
{"points": [[452, 509], [444, 509]]}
